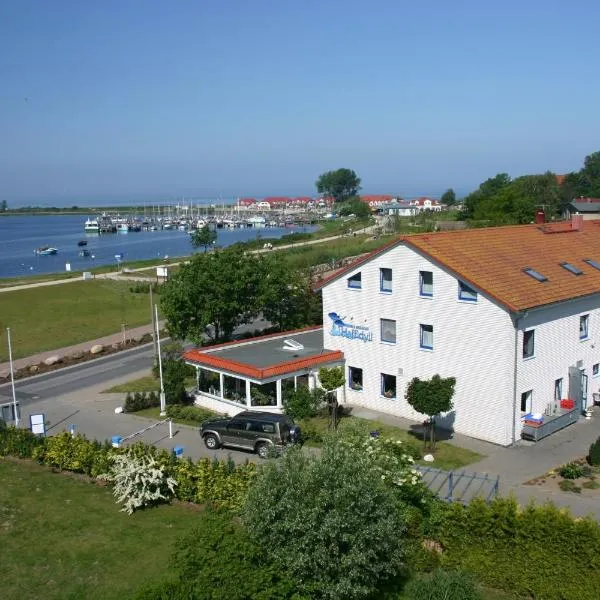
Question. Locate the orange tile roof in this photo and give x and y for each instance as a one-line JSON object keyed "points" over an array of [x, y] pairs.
{"points": [[492, 260], [218, 362]]}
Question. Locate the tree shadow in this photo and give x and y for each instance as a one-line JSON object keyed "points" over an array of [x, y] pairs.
{"points": [[444, 428]]}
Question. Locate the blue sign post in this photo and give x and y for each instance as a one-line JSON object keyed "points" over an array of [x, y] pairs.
{"points": [[119, 259]]}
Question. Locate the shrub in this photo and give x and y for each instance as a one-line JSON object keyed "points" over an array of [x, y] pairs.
{"points": [[594, 453], [138, 481], [303, 403], [308, 515], [18, 442], [522, 550], [591, 485], [188, 413], [449, 585], [217, 560], [567, 485], [571, 470]]}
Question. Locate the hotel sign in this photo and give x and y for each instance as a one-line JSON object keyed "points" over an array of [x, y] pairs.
{"points": [[341, 328]]}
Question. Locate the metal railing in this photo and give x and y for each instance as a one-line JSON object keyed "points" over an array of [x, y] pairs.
{"points": [[454, 486]]}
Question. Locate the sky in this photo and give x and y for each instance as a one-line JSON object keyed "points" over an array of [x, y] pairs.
{"points": [[141, 99]]}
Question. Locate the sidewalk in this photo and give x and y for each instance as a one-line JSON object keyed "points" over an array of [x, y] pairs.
{"points": [[108, 340]]}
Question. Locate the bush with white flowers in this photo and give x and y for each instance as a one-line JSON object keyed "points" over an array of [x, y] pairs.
{"points": [[138, 481]]}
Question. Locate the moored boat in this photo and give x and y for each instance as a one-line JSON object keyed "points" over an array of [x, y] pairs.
{"points": [[91, 226], [82, 243], [84, 253], [45, 251]]}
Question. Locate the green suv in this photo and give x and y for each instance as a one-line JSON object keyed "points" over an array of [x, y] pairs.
{"points": [[261, 432]]}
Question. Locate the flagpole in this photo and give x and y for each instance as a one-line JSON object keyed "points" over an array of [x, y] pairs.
{"points": [[12, 379]]}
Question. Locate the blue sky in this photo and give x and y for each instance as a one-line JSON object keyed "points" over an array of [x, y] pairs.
{"points": [[138, 98]]}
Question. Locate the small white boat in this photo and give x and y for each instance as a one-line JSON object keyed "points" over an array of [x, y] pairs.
{"points": [[123, 228], [45, 251]]}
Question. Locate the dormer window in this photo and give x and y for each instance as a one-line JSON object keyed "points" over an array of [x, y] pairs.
{"points": [[355, 281], [466, 292]]}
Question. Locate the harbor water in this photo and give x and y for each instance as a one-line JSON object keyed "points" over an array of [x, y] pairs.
{"points": [[21, 235]]}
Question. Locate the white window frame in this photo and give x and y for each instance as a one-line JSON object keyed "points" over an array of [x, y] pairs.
{"points": [[528, 399]]}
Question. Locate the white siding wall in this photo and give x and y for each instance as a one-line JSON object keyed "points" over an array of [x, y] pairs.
{"points": [[473, 342], [557, 347]]}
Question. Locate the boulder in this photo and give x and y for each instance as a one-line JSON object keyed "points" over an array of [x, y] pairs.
{"points": [[116, 346], [77, 355], [52, 360], [34, 369], [4, 374], [96, 349]]}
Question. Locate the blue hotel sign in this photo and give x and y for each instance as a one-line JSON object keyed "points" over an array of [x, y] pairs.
{"points": [[340, 328]]}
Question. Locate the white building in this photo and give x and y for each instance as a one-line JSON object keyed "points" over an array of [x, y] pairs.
{"points": [[513, 313]]}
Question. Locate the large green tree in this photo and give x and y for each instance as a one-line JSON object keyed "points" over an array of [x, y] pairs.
{"points": [[585, 182], [331, 521], [448, 197], [213, 294], [355, 206], [431, 397], [203, 236], [340, 184]]}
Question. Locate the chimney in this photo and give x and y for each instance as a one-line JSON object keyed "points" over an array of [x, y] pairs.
{"points": [[576, 222], [540, 217]]}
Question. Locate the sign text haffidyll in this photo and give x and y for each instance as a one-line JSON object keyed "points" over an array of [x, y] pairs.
{"points": [[342, 328]]}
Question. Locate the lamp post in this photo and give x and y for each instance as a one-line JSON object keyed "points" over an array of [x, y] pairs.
{"points": [[12, 379], [163, 402]]}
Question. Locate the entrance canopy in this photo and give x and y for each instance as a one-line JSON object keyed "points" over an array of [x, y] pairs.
{"points": [[256, 373]]}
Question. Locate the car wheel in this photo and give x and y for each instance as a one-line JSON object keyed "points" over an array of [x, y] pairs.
{"points": [[211, 442], [263, 450]]}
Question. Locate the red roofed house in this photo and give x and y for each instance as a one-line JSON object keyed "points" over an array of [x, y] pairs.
{"points": [[424, 203], [246, 202], [513, 313], [376, 200], [277, 201]]}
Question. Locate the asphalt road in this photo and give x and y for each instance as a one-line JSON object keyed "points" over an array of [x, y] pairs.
{"points": [[78, 377]]}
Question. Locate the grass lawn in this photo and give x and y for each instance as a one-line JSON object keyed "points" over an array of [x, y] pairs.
{"points": [[447, 456], [67, 539], [56, 316], [154, 414], [147, 383]]}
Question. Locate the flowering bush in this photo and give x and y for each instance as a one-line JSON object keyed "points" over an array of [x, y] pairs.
{"points": [[139, 481]]}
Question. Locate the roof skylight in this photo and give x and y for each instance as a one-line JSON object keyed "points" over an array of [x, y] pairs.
{"points": [[572, 268], [533, 273], [592, 263]]}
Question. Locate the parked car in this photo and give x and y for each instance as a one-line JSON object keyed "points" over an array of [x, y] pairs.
{"points": [[261, 432]]}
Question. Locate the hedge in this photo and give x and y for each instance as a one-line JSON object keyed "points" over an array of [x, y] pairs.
{"points": [[220, 483], [535, 551]]}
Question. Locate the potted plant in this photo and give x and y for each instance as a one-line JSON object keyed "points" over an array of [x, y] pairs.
{"points": [[389, 394]]}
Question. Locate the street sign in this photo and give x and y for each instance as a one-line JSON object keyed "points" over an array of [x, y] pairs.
{"points": [[119, 256]]}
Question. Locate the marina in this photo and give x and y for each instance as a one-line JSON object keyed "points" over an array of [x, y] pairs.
{"points": [[38, 244]]}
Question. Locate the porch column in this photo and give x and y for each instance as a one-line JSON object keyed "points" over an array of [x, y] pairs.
{"points": [[311, 381], [198, 378], [279, 394], [248, 395], [221, 382]]}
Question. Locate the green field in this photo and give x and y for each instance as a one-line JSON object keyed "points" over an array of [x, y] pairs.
{"points": [[62, 315], [67, 539]]}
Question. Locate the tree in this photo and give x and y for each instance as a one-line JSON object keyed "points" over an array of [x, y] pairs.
{"points": [[448, 197], [331, 380], [217, 560], [355, 206], [340, 184], [488, 189], [204, 236], [330, 521], [431, 397], [286, 294], [303, 403], [213, 294]]}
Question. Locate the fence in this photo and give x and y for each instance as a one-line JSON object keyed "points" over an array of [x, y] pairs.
{"points": [[453, 486]]}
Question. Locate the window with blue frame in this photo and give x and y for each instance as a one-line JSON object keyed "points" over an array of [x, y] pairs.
{"points": [[426, 336], [388, 330], [529, 343], [426, 283], [584, 322], [466, 292], [355, 281], [388, 385], [385, 280]]}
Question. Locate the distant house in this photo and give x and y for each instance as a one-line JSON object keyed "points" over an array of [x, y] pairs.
{"points": [[277, 201], [246, 202], [425, 203], [589, 208], [375, 201], [263, 205], [398, 209]]}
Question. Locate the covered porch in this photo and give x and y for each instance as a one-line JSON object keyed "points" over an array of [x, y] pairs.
{"points": [[257, 374]]}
